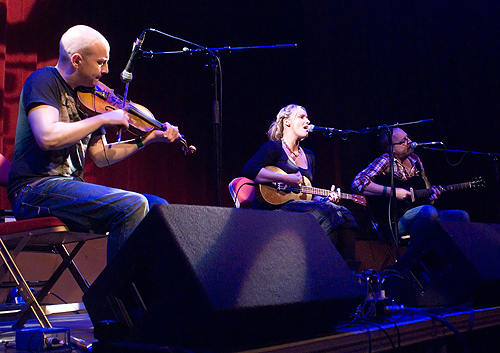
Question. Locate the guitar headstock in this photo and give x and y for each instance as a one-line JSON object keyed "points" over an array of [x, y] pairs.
{"points": [[359, 199], [477, 183]]}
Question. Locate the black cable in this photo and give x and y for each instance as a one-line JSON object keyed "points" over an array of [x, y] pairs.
{"points": [[368, 333], [29, 341], [397, 329], [386, 334], [440, 319], [64, 301], [239, 188], [472, 316], [452, 328], [373, 322], [58, 297], [7, 347]]}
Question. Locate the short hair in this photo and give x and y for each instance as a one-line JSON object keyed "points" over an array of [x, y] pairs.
{"points": [[276, 128], [79, 38], [384, 138]]}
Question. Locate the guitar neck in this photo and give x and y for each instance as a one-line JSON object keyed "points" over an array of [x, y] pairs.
{"points": [[453, 187], [322, 192]]}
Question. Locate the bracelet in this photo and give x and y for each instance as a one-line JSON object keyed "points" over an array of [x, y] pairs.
{"points": [[324, 199], [138, 142], [384, 193]]}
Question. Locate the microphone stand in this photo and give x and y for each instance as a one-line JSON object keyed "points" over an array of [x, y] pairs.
{"points": [[215, 63], [392, 214], [380, 127], [496, 170]]}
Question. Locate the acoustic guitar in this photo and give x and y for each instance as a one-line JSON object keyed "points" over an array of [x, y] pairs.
{"points": [[277, 193], [378, 205]]}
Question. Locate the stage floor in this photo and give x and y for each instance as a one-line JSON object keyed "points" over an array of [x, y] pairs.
{"points": [[443, 330]]}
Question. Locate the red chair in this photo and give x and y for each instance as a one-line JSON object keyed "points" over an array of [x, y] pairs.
{"points": [[38, 235], [242, 191]]}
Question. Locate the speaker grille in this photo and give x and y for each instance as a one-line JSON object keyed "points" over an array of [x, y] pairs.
{"points": [[198, 276]]}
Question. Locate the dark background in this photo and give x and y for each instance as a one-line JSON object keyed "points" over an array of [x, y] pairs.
{"points": [[357, 64]]}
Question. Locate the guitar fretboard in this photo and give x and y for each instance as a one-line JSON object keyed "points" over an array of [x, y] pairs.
{"points": [[322, 192], [453, 187]]}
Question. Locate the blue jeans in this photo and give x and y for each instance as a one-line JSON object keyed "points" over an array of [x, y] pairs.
{"points": [[418, 219], [84, 206]]}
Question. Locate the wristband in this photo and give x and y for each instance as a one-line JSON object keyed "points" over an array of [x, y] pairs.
{"points": [[384, 193], [138, 142], [324, 199]]}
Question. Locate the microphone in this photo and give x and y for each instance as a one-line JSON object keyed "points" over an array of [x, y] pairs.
{"points": [[311, 128], [126, 75], [414, 145]]}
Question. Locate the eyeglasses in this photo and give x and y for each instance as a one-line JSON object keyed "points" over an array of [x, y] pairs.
{"points": [[404, 142]]}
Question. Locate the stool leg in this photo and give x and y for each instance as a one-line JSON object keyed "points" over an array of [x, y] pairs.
{"points": [[52, 280], [13, 254], [80, 280], [23, 287]]}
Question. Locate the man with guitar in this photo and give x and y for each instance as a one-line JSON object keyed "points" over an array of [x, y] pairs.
{"points": [[281, 168], [414, 216]]}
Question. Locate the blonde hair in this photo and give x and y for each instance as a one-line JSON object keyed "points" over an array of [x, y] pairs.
{"points": [[276, 128], [78, 39]]}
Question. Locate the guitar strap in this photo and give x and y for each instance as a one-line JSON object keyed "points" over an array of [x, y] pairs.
{"points": [[419, 174], [418, 167]]}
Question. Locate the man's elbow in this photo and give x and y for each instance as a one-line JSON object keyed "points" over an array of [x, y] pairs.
{"points": [[46, 144], [100, 162]]}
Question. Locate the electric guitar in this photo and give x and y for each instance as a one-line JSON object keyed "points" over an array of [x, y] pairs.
{"points": [[277, 193], [378, 205]]}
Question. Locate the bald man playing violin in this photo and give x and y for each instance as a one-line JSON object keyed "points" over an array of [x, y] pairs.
{"points": [[53, 137]]}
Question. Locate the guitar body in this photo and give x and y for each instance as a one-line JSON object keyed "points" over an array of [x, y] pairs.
{"points": [[378, 206], [278, 193]]}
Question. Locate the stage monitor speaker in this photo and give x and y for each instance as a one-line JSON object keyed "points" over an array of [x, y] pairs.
{"points": [[453, 263], [202, 277]]}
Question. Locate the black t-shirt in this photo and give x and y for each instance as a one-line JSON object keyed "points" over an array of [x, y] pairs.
{"points": [[30, 163], [272, 153]]}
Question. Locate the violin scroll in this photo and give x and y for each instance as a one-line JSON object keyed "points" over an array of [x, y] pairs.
{"points": [[188, 150]]}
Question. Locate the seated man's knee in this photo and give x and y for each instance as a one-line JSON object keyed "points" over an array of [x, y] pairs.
{"points": [[429, 212], [454, 215], [135, 203], [155, 200], [460, 216]]}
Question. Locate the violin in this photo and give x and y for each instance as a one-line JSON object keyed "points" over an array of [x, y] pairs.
{"points": [[102, 99]]}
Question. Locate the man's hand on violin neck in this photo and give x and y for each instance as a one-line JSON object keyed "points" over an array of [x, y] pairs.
{"points": [[170, 134]]}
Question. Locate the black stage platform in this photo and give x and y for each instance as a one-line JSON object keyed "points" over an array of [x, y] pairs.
{"points": [[436, 330]]}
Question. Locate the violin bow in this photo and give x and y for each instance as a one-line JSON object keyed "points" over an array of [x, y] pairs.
{"points": [[119, 138]]}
